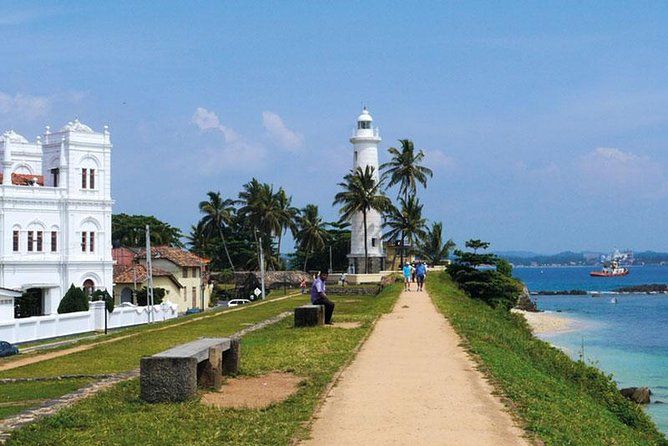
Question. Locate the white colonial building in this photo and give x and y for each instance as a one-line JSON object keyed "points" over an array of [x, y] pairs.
{"points": [[55, 215], [365, 140]]}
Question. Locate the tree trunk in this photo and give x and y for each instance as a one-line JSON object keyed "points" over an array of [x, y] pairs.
{"points": [[227, 253], [402, 247], [280, 234], [366, 251], [257, 243], [305, 260]]}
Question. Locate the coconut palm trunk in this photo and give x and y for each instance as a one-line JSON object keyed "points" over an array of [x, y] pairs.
{"points": [[227, 253]]}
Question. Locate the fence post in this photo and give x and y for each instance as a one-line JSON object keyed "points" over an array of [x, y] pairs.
{"points": [[98, 309]]}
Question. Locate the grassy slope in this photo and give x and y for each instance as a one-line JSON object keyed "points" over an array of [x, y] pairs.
{"points": [[117, 416], [125, 353], [562, 401]]}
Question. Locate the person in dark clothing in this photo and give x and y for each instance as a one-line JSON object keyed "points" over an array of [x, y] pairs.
{"points": [[319, 296]]}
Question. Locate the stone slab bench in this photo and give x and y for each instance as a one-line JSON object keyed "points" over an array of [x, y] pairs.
{"points": [[309, 315], [173, 375]]}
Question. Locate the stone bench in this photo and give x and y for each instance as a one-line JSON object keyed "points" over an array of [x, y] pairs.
{"points": [[309, 315], [173, 375]]}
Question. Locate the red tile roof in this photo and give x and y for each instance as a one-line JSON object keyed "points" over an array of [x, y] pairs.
{"points": [[123, 256], [24, 179], [177, 256], [138, 273]]}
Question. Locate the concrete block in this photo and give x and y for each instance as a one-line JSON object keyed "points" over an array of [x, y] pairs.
{"points": [[309, 315], [167, 379], [210, 371], [231, 357]]}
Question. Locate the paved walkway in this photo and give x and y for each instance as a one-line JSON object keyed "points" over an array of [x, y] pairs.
{"points": [[412, 384]]}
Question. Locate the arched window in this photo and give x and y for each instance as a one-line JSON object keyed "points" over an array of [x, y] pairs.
{"points": [[89, 172], [89, 230], [35, 237], [23, 169], [126, 295], [89, 287]]}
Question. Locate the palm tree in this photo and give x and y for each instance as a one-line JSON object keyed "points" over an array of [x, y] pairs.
{"points": [[312, 231], [361, 193], [405, 170], [260, 208], [197, 239], [287, 215], [433, 250], [406, 222], [217, 214]]}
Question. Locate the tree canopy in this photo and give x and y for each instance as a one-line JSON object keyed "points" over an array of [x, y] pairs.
{"points": [[130, 230]]}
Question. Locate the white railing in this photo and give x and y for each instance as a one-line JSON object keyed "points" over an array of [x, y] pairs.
{"points": [[55, 325]]}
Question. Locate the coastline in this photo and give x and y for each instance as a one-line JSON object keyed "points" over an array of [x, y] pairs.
{"points": [[545, 323]]}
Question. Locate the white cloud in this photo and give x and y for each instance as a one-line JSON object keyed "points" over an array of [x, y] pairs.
{"points": [[624, 174], [24, 105], [280, 133], [208, 120], [436, 159], [236, 153]]}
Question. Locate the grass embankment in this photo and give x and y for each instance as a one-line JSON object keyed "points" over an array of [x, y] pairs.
{"points": [[562, 401], [123, 354], [117, 416]]}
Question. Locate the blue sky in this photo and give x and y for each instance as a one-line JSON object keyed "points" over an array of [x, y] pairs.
{"points": [[546, 123]]}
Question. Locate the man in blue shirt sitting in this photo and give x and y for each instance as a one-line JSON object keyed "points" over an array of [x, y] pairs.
{"points": [[319, 296]]}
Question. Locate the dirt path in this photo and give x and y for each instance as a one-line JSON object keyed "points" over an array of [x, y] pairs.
{"points": [[412, 384], [32, 359]]}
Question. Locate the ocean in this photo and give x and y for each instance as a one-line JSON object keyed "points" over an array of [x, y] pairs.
{"points": [[628, 340]]}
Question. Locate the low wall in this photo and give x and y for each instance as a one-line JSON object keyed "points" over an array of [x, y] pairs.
{"points": [[358, 279], [56, 325]]}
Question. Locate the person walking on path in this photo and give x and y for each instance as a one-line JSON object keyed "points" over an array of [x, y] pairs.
{"points": [[407, 271], [302, 285], [319, 296], [420, 274], [429, 391]]}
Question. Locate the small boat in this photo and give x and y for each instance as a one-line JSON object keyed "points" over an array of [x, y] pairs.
{"points": [[613, 300], [614, 270]]}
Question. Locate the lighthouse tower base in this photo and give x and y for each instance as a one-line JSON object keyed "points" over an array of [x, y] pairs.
{"points": [[356, 264]]}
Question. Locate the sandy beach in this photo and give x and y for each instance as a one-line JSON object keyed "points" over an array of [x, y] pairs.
{"points": [[545, 323]]}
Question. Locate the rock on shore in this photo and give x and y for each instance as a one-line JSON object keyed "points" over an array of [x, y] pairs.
{"points": [[638, 395]]}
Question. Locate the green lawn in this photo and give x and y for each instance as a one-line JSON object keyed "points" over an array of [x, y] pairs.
{"points": [[18, 396], [117, 416], [561, 401]]}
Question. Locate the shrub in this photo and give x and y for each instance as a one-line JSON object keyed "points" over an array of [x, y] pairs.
{"points": [[495, 287], [504, 267], [74, 300], [158, 295], [106, 297]]}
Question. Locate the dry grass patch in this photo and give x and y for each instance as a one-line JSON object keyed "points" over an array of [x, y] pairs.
{"points": [[254, 392], [345, 325]]}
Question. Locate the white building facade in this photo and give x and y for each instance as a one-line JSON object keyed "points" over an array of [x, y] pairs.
{"points": [[55, 214], [365, 142]]}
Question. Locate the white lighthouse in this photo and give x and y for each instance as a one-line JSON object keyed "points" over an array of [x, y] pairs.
{"points": [[365, 142]]}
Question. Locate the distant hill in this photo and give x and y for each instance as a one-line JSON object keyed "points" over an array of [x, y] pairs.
{"points": [[527, 258], [520, 254]]}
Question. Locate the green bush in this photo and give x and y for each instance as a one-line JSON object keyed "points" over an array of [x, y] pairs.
{"points": [[74, 300], [106, 297], [504, 267], [490, 286], [158, 295]]}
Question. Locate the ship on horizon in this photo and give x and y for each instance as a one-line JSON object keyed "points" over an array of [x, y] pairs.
{"points": [[612, 269]]}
